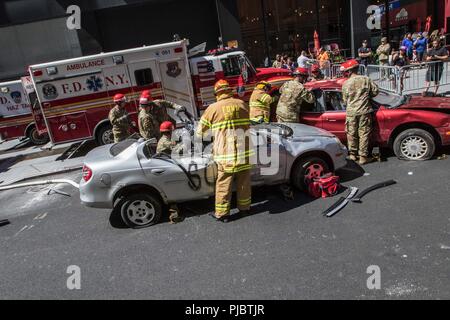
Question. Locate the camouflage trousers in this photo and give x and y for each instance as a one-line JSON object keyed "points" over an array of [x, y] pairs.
{"points": [[359, 129], [120, 135], [224, 186]]}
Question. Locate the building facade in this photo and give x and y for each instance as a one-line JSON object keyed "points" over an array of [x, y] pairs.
{"points": [[36, 31]]}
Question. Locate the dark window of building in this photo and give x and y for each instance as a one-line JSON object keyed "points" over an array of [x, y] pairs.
{"points": [[230, 66], [143, 77]]}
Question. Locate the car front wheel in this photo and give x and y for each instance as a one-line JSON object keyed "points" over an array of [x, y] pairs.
{"points": [[415, 145], [307, 169], [141, 211]]}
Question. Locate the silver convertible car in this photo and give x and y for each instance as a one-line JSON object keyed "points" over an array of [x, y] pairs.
{"points": [[131, 178]]}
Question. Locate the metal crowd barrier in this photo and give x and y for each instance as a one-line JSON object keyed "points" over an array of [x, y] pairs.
{"points": [[413, 78]]}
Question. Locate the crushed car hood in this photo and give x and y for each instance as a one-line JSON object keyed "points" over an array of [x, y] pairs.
{"points": [[440, 104]]}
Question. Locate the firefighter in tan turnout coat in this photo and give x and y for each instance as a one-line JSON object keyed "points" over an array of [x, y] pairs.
{"points": [[228, 122], [260, 102]]}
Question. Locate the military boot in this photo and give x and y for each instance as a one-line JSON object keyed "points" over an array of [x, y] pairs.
{"points": [[352, 157], [365, 160]]}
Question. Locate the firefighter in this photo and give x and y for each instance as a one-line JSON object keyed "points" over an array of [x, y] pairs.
{"points": [[260, 102], [293, 93], [158, 113], [118, 116], [357, 92], [228, 121], [165, 144]]}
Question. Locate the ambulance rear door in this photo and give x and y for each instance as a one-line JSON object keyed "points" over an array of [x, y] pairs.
{"points": [[144, 75], [35, 105], [176, 83]]}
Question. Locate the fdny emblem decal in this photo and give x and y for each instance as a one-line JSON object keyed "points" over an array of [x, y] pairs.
{"points": [[94, 83], [16, 96], [49, 92], [173, 69]]}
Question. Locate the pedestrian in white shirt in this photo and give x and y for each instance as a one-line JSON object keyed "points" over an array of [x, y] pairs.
{"points": [[303, 61]]}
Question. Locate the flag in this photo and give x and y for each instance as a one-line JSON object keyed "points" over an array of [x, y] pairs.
{"points": [[206, 71], [197, 49]]}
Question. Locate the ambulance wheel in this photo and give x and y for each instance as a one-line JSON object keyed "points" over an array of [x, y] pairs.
{"points": [[36, 138], [141, 210], [104, 135], [306, 169]]}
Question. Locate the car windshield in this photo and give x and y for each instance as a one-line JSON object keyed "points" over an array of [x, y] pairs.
{"points": [[390, 100], [121, 146]]}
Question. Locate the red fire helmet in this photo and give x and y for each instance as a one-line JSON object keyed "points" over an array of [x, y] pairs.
{"points": [[166, 126], [119, 98]]}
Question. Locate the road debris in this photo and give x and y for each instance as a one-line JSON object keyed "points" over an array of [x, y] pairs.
{"points": [[4, 222]]}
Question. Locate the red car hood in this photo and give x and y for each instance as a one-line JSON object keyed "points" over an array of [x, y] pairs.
{"points": [[427, 103]]}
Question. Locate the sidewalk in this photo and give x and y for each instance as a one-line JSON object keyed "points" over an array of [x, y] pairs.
{"points": [[35, 168]]}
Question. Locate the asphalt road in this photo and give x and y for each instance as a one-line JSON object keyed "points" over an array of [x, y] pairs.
{"points": [[287, 250]]}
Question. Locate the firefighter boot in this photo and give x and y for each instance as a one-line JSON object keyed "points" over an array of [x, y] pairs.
{"points": [[174, 216]]}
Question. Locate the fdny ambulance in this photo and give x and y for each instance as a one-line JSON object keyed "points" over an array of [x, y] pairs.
{"points": [[75, 95], [16, 119]]}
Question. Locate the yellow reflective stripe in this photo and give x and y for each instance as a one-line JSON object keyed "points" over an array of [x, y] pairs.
{"points": [[205, 122], [266, 99], [259, 106], [232, 156], [238, 169], [222, 208], [245, 201], [230, 123]]}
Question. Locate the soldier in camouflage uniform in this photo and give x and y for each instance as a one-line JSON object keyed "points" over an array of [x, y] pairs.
{"points": [[169, 147], [293, 93], [357, 92], [153, 113], [118, 116], [165, 143]]}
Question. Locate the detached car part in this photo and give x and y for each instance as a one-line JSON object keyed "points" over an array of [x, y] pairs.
{"points": [[373, 188], [341, 203]]}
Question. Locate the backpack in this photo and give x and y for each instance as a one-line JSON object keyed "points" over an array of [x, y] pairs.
{"points": [[324, 187]]}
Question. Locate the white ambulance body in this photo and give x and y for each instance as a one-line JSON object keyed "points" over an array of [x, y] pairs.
{"points": [[76, 95]]}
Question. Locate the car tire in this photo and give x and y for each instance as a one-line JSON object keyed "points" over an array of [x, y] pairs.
{"points": [[414, 145], [310, 167], [141, 211], [36, 138], [104, 135]]}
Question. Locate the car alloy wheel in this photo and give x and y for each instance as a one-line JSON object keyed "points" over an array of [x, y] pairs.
{"points": [[306, 169], [140, 212], [314, 170], [414, 147]]}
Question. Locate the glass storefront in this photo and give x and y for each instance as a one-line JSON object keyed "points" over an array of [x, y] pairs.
{"points": [[290, 24], [404, 16]]}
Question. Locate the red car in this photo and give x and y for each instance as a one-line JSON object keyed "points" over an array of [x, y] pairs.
{"points": [[411, 125]]}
